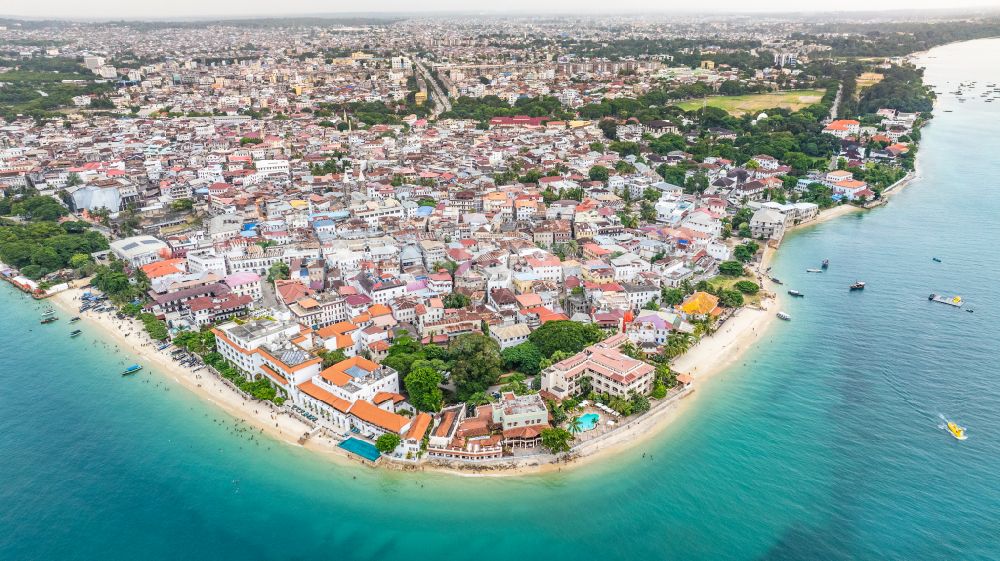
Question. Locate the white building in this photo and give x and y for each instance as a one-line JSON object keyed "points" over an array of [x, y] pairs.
{"points": [[139, 250]]}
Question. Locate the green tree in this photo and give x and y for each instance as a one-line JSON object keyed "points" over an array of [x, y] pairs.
{"points": [[387, 442], [456, 300], [332, 357], [556, 440], [745, 251], [599, 173], [747, 287], [422, 387], [671, 296], [574, 424], [731, 298], [564, 335], [278, 271], [523, 358], [731, 268], [475, 364]]}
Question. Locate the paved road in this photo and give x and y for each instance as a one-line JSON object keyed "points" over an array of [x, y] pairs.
{"points": [[441, 101], [836, 102]]}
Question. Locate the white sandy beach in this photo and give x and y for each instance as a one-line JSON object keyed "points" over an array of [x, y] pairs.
{"points": [[132, 339], [707, 357]]}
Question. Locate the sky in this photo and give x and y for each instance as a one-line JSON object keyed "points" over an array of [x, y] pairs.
{"points": [[158, 9]]}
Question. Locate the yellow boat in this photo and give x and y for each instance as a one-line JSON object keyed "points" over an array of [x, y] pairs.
{"points": [[956, 431]]}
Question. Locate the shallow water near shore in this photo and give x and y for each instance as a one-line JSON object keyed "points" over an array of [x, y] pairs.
{"points": [[822, 443]]}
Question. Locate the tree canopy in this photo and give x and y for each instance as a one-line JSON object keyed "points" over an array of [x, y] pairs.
{"points": [[475, 363], [564, 335]]}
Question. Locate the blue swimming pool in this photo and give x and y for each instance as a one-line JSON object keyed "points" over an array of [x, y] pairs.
{"points": [[360, 447], [589, 421]]}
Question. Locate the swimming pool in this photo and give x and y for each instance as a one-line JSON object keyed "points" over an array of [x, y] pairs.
{"points": [[589, 421], [364, 449]]}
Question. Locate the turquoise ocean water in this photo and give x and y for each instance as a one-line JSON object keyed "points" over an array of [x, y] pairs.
{"points": [[824, 443]]}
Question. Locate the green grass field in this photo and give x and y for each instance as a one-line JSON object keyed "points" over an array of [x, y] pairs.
{"points": [[740, 104]]}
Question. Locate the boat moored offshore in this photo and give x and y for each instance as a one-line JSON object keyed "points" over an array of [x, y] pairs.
{"points": [[131, 370], [858, 285], [953, 301], [796, 293], [784, 316], [814, 270]]}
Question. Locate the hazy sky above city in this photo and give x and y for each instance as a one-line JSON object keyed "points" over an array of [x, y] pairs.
{"points": [[117, 9]]}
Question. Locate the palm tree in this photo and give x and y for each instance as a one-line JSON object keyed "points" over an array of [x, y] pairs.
{"points": [[572, 248], [574, 425]]}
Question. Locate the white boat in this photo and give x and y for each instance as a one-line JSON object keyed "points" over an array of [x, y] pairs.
{"points": [[784, 316], [814, 270]]}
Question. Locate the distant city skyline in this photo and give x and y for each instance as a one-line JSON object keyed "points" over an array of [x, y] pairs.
{"points": [[117, 9]]}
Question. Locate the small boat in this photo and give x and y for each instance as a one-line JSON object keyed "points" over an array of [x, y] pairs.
{"points": [[970, 310], [953, 301], [74, 333], [163, 346], [956, 431], [784, 316], [48, 319], [776, 280], [826, 263], [858, 285], [936, 259], [74, 319], [796, 294], [814, 270], [131, 370]]}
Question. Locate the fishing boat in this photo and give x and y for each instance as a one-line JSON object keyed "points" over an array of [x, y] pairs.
{"points": [[776, 280], [858, 285], [163, 346], [826, 263], [48, 318], [74, 319], [814, 270], [131, 370], [953, 301], [75, 332], [956, 431], [784, 316], [936, 259], [796, 293]]}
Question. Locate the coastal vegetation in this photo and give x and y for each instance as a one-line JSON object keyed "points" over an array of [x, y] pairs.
{"points": [[882, 39], [38, 245], [564, 336], [387, 442]]}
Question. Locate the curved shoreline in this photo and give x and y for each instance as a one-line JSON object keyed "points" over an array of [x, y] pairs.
{"points": [[709, 356]]}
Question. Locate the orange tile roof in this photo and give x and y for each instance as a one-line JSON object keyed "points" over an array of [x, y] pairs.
{"points": [[326, 397], [419, 427], [337, 374], [163, 268], [274, 375], [386, 396], [377, 310], [381, 418]]}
